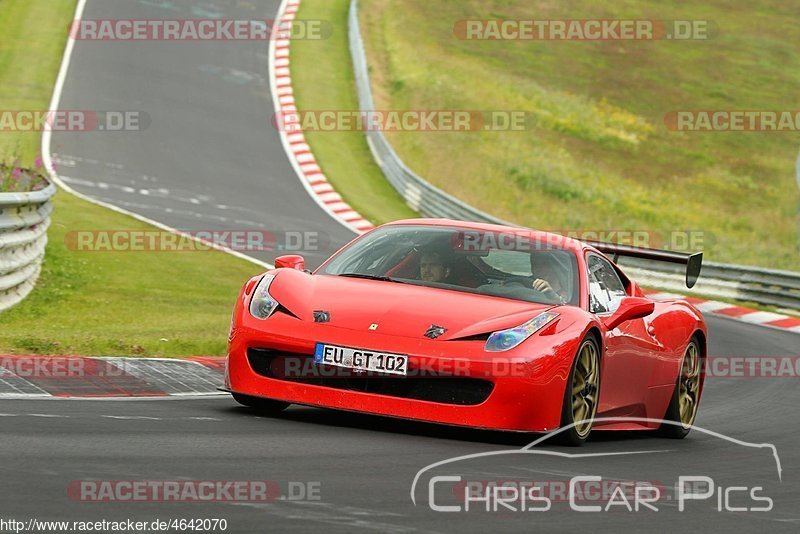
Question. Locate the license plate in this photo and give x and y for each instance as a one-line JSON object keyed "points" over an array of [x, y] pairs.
{"points": [[361, 360]]}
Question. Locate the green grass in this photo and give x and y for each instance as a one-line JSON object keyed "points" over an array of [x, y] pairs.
{"points": [[123, 303], [33, 36], [322, 77], [101, 303], [596, 154]]}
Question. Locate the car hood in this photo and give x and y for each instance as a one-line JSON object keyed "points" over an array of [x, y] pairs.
{"points": [[398, 309]]}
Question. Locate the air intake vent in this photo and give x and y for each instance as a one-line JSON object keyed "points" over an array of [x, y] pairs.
{"points": [[294, 367]]}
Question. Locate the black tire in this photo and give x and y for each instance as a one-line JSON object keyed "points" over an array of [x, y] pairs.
{"points": [[576, 435], [265, 406], [675, 426]]}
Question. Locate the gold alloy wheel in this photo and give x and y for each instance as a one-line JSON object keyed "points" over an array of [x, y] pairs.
{"points": [[585, 387], [689, 385]]}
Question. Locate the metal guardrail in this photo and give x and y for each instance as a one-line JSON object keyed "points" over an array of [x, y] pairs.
{"points": [[751, 284], [747, 284], [418, 193], [24, 220]]}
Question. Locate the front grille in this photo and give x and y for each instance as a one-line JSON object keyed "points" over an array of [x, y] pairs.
{"points": [[301, 368]]}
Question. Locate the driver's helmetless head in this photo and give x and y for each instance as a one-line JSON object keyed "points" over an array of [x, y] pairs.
{"points": [[432, 267], [544, 266]]}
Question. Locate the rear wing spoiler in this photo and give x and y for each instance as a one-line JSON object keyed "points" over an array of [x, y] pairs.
{"points": [[693, 262]]}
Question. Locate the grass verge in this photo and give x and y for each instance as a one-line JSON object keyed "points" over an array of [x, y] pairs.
{"points": [[168, 304], [322, 77], [101, 303], [34, 32], [596, 154]]}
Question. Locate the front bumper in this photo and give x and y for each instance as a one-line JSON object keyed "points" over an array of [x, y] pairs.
{"points": [[511, 391]]}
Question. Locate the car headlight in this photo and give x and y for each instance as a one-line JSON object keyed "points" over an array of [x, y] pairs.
{"points": [[262, 304], [508, 339]]}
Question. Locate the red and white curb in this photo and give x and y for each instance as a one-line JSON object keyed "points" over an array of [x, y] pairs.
{"points": [[731, 311], [79, 377], [294, 141]]}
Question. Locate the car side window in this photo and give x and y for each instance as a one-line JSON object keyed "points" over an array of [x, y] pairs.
{"points": [[605, 288]]}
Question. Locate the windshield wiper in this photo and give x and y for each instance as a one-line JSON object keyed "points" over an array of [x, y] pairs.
{"points": [[371, 277]]}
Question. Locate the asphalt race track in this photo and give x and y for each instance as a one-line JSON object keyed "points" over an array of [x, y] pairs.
{"points": [[365, 465], [211, 160]]}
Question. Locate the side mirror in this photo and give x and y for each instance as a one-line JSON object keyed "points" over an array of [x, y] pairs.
{"points": [[629, 308], [290, 262]]}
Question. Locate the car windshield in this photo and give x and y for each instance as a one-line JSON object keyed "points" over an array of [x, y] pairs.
{"points": [[498, 264]]}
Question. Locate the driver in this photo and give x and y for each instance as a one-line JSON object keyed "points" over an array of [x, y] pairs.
{"points": [[433, 267], [547, 275]]}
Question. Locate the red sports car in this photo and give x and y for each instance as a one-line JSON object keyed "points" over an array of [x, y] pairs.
{"points": [[472, 324]]}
